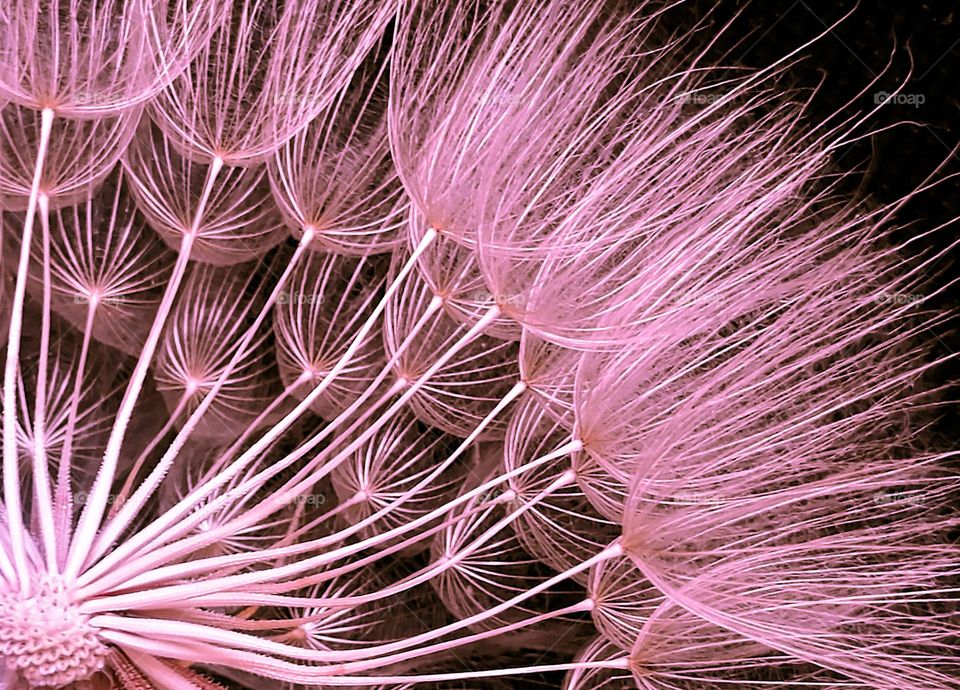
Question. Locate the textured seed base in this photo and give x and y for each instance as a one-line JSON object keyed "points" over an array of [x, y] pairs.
{"points": [[45, 640]]}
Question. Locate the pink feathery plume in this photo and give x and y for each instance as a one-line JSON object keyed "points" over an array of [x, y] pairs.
{"points": [[462, 73], [452, 273], [486, 566], [79, 405], [687, 210], [592, 678], [268, 69], [469, 385], [233, 221], [325, 300], [88, 60], [390, 463], [753, 483], [78, 155], [336, 177], [106, 268], [196, 349], [563, 529]]}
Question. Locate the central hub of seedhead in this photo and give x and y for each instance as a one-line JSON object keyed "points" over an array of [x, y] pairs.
{"points": [[45, 640]]}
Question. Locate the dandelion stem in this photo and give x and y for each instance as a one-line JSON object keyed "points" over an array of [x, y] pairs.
{"points": [[63, 503], [175, 514], [172, 418], [41, 469], [115, 527], [85, 534], [99, 494], [11, 470], [197, 590]]}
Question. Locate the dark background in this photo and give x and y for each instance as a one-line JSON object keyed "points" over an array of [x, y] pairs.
{"points": [[917, 41], [880, 39]]}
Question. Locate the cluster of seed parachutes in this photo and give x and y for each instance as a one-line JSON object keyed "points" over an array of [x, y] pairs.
{"points": [[438, 344]]}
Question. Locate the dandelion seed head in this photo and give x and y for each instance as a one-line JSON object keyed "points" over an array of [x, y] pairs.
{"points": [[441, 344], [45, 639]]}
